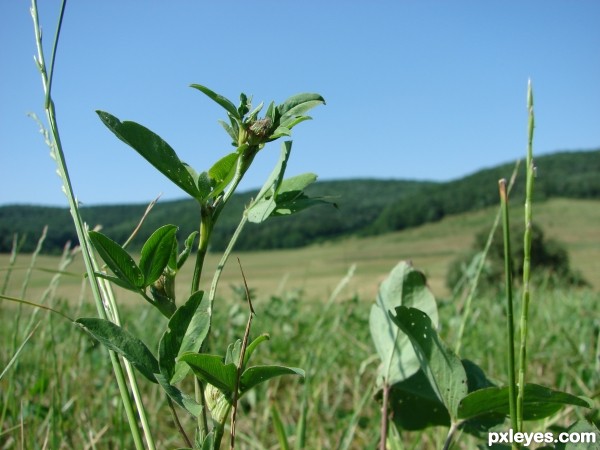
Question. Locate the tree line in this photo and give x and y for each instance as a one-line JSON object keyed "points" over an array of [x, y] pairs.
{"points": [[364, 207]]}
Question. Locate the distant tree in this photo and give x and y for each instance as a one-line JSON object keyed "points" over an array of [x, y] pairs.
{"points": [[549, 261]]}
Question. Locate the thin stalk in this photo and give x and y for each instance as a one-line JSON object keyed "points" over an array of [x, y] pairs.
{"points": [[223, 261], [206, 227], [240, 367], [58, 155], [475, 281], [510, 344], [526, 255], [11, 264]]}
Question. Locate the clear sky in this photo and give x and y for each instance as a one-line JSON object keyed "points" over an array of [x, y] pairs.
{"points": [[428, 90]]}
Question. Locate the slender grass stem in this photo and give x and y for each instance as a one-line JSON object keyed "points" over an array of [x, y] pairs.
{"points": [[58, 155], [480, 265], [510, 344], [530, 169]]}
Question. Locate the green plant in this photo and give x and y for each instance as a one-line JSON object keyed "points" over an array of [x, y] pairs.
{"points": [[220, 381], [424, 383]]}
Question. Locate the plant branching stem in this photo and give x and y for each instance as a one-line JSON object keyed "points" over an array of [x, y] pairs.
{"points": [[530, 169]]}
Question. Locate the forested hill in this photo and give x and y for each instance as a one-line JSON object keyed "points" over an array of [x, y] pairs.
{"points": [[365, 206]]}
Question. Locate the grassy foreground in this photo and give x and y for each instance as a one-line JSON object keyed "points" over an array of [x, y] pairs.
{"points": [[60, 392]]}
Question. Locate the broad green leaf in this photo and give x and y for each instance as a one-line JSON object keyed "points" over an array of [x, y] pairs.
{"points": [[213, 370], [538, 402], [156, 252], [414, 405], [172, 339], [299, 104], [253, 376], [297, 183], [403, 286], [179, 397], [193, 338], [223, 171], [124, 343], [117, 260], [442, 367], [585, 430], [224, 168], [224, 102], [154, 149], [117, 281]]}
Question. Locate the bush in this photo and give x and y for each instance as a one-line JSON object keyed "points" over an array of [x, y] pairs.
{"points": [[549, 261]]}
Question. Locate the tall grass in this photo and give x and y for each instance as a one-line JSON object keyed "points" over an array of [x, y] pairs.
{"points": [[61, 394]]}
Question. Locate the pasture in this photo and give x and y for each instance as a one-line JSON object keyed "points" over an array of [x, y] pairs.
{"points": [[60, 392]]}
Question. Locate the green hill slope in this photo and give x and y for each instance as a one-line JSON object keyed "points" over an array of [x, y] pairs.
{"points": [[365, 207]]}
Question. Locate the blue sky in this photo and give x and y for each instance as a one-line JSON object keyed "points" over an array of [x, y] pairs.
{"points": [[415, 89]]}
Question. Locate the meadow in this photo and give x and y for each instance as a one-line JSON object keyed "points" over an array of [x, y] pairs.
{"points": [[60, 392]]}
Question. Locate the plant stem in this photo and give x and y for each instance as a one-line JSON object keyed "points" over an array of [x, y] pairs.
{"points": [[206, 227], [526, 255], [512, 399], [384, 416], [240, 367], [475, 281], [58, 155]]}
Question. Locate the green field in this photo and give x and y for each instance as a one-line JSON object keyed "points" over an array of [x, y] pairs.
{"points": [[315, 270], [61, 394]]}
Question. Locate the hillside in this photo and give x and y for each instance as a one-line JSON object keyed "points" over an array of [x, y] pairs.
{"points": [[365, 207]]}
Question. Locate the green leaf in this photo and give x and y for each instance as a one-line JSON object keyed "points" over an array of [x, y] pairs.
{"points": [[224, 102], [264, 204], [156, 252], [253, 346], [279, 428], [442, 367], [204, 185], [118, 260], [155, 150], [591, 433], [298, 104], [172, 339], [124, 343], [253, 376], [213, 370], [232, 355], [222, 172], [179, 397], [538, 402], [230, 131], [403, 286], [195, 334], [414, 405]]}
